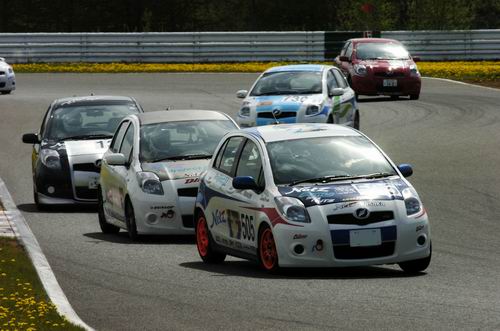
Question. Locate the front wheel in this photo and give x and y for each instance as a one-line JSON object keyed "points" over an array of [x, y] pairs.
{"points": [[268, 254], [414, 96], [103, 223], [130, 221], [6, 92], [416, 266], [204, 244]]}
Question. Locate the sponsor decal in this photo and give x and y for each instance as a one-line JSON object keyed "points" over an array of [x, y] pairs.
{"points": [[420, 227], [299, 236], [218, 217], [264, 103], [169, 214], [344, 205], [192, 180], [295, 98], [160, 207], [247, 194]]}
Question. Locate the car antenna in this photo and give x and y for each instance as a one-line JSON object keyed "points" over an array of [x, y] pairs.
{"points": [[167, 108]]}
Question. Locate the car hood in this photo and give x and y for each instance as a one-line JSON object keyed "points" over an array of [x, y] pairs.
{"points": [[386, 64], [282, 102], [4, 66], [79, 147], [313, 195], [177, 169]]}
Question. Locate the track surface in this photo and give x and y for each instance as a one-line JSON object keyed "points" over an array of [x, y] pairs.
{"points": [[451, 136]]}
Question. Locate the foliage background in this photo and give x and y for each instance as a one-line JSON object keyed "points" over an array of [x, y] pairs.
{"points": [[245, 15]]}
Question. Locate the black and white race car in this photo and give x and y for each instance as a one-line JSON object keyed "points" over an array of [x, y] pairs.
{"points": [[67, 151]]}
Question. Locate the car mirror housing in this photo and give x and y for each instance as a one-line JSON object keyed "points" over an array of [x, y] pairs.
{"points": [[416, 58], [405, 169], [31, 138], [241, 94], [115, 159], [337, 91], [245, 183], [344, 58]]}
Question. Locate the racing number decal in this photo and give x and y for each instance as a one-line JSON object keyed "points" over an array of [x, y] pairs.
{"points": [[247, 227]]}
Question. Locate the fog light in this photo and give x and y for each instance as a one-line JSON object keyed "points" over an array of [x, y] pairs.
{"points": [[151, 218], [298, 249], [51, 189], [421, 240]]}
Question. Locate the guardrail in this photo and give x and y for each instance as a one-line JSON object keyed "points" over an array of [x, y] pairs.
{"points": [[196, 47]]}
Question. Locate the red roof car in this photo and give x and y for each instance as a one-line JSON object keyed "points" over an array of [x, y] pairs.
{"points": [[378, 66]]}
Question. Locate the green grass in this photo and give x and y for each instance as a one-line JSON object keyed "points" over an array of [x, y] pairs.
{"points": [[24, 305]]}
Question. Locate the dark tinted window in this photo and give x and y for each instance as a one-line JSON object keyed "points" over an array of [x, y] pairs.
{"points": [[228, 158], [117, 139], [250, 162], [348, 51], [128, 142], [340, 79], [384, 51], [331, 82]]}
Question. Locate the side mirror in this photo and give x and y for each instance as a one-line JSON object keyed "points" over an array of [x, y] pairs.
{"points": [[416, 58], [405, 169], [241, 94], [245, 183], [337, 91], [31, 138], [344, 58], [115, 159]]}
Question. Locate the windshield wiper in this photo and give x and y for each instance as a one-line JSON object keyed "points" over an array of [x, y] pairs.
{"points": [[326, 179], [89, 137], [184, 157]]}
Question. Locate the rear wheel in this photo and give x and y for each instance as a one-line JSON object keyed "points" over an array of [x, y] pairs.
{"points": [[416, 266], [105, 226], [204, 244], [130, 221], [414, 96], [268, 255]]}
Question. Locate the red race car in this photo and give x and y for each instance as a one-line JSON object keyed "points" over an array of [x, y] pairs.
{"points": [[378, 66]]}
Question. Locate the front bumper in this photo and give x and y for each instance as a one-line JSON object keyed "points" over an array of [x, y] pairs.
{"points": [[7, 83], [329, 245], [374, 85]]}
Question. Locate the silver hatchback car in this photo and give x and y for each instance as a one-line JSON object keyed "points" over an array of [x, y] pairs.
{"points": [[7, 77]]}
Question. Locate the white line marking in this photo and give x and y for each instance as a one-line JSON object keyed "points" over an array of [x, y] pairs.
{"points": [[463, 83], [28, 240]]}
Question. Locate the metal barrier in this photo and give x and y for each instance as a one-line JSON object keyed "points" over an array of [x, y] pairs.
{"points": [[198, 47]]}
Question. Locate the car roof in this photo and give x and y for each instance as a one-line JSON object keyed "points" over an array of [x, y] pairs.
{"points": [[85, 100], [374, 40], [180, 115], [280, 132], [297, 67]]}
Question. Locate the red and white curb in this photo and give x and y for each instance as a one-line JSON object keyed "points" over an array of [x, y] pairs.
{"points": [[13, 224]]}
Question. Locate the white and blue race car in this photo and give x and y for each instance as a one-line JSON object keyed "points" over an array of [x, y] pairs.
{"points": [[299, 94], [309, 195]]}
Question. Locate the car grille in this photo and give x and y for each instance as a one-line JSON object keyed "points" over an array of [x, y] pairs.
{"points": [[2, 84], [188, 221], [2, 73], [376, 216], [355, 253], [89, 167], [390, 75], [188, 192], [86, 193], [284, 114]]}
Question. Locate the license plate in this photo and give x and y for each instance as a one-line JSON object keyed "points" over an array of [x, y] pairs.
{"points": [[390, 82], [93, 183], [361, 238]]}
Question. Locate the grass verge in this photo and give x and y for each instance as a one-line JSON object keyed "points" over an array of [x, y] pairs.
{"points": [[24, 305], [480, 72]]}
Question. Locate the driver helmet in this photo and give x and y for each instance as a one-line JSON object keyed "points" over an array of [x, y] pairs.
{"points": [[160, 140], [72, 121]]}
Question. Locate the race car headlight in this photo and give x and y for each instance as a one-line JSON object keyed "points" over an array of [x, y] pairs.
{"points": [[312, 110], [50, 158], [10, 71], [360, 69], [150, 183], [414, 71], [412, 202], [292, 209], [244, 112]]}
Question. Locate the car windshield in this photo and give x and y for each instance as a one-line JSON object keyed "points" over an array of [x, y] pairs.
{"points": [[381, 51], [92, 120], [288, 82], [325, 159], [182, 140]]}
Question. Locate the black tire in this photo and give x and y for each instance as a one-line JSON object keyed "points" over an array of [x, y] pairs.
{"points": [[394, 97], [39, 206], [416, 266], [130, 221], [414, 96], [267, 252], [204, 242], [103, 223], [356, 96], [330, 120], [6, 92], [356, 123]]}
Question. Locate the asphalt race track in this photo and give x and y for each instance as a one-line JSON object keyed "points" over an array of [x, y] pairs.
{"points": [[451, 136]]}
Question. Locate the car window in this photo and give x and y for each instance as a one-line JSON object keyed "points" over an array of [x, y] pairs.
{"points": [[117, 139], [250, 162], [342, 52], [331, 82], [228, 158], [348, 51], [44, 122], [340, 79], [288, 82], [128, 143], [385, 51], [219, 155]]}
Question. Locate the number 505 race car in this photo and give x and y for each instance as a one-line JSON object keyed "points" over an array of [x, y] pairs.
{"points": [[309, 195]]}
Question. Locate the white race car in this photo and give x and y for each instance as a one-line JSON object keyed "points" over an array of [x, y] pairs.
{"points": [[309, 195], [7, 77], [299, 94], [150, 174]]}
